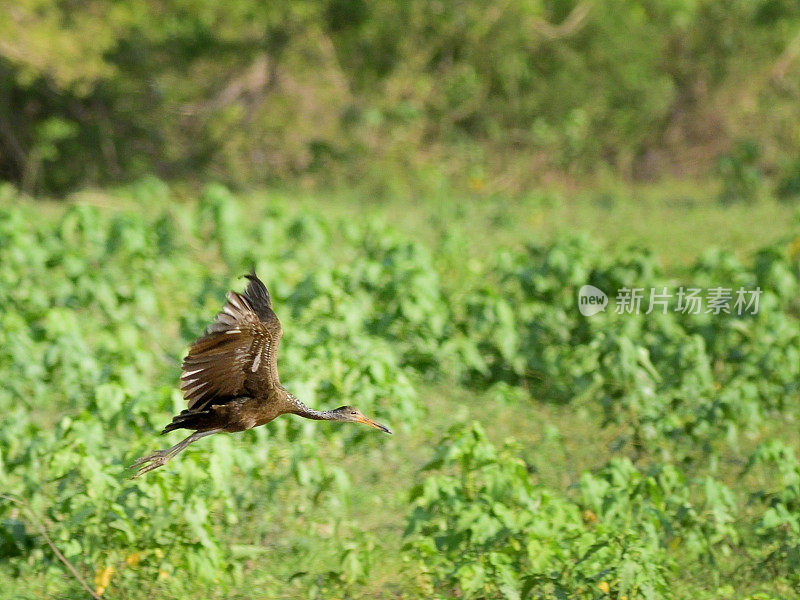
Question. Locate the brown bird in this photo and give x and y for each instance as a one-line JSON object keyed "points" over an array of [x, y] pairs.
{"points": [[230, 377]]}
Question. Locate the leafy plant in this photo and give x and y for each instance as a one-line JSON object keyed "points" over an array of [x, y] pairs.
{"points": [[742, 179], [779, 525], [484, 528], [98, 307]]}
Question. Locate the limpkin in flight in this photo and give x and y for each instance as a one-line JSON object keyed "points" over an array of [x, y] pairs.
{"points": [[230, 377]]}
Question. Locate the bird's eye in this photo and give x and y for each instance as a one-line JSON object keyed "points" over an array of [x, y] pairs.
{"points": [[352, 412]]}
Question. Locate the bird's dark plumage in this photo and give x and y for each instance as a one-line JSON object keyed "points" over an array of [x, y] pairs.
{"points": [[230, 376]]}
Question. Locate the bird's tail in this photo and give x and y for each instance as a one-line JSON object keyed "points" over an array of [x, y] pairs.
{"points": [[190, 419]]}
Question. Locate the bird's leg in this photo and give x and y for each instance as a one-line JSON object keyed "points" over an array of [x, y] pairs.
{"points": [[161, 457]]}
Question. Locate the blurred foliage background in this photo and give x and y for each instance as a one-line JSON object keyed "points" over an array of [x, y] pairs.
{"points": [[151, 151], [398, 95]]}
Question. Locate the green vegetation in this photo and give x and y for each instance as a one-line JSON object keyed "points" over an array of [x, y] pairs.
{"points": [[537, 452], [398, 95], [443, 178]]}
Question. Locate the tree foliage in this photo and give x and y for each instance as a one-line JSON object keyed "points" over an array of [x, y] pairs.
{"points": [[382, 93]]}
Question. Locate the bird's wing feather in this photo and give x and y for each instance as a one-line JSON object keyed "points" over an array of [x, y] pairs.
{"points": [[238, 354], [265, 364]]}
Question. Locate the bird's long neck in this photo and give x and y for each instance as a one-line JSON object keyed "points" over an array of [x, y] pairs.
{"points": [[298, 408]]}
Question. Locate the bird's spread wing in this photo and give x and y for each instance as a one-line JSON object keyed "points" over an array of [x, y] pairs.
{"points": [[238, 354]]}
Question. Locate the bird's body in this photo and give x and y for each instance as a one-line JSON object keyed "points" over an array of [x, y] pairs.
{"points": [[230, 377]]}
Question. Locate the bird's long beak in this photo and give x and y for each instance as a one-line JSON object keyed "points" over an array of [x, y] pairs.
{"points": [[371, 423]]}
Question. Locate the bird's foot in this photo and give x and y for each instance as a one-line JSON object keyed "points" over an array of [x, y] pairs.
{"points": [[147, 463]]}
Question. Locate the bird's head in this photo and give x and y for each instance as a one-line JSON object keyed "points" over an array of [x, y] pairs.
{"points": [[351, 414]]}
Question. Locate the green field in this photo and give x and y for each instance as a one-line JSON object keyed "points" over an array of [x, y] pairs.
{"points": [[537, 452]]}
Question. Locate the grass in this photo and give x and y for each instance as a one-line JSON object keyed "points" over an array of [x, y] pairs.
{"points": [[676, 220]]}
